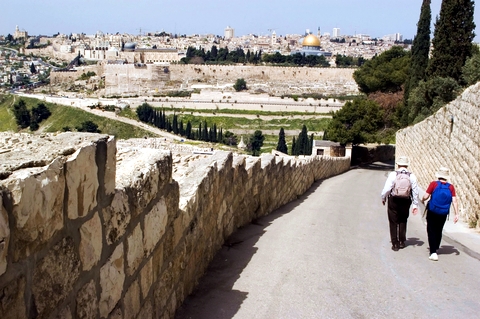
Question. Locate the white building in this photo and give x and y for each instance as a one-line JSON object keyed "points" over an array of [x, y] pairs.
{"points": [[336, 32], [229, 33]]}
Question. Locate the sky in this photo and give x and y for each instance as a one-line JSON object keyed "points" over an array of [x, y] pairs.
{"points": [[373, 17]]}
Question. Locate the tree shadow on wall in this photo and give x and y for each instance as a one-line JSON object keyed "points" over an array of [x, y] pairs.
{"points": [[214, 296], [379, 166]]}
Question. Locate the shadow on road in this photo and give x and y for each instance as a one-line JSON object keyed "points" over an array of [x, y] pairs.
{"points": [[379, 166], [448, 250], [214, 297], [413, 241]]}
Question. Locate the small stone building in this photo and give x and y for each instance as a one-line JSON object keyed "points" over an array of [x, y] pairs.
{"points": [[329, 148]]}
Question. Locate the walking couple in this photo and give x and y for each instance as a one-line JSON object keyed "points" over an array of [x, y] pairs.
{"points": [[401, 192]]}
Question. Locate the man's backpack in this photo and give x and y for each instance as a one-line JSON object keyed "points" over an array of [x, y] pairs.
{"points": [[441, 199], [402, 187]]}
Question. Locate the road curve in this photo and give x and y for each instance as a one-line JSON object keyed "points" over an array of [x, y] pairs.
{"points": [[328, 255]]}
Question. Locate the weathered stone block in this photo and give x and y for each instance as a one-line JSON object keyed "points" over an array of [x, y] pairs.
{"points": [[37, 200], [91, 242], [146, 278], [87, 302], [117, 217], [155, 225], [132, 301], [138, 172], [54, 276], [82, 182], [112, 277], [4, 238], [135, 250], [111, 165], [12, 303]]}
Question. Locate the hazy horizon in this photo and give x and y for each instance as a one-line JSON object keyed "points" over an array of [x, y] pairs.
{"points": [[373, 17]]}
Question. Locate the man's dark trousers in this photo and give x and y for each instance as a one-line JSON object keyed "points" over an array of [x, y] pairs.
{"points": [[398, 211]]}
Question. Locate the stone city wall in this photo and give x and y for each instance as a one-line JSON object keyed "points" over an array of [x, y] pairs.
{"points": [[134, 79], [91, 229], [449, 138], [276, 79]]}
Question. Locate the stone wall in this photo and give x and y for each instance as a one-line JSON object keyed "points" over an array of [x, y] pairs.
{"points": [[275, 80], [449, 138], [90, 229]]}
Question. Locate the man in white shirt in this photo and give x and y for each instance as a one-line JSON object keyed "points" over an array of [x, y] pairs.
{"points": [[399, 207]]}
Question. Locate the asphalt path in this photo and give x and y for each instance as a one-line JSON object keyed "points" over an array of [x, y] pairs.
{"points": [[328, 255]]}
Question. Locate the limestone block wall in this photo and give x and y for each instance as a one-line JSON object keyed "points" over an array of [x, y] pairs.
{"points": [[90, 230], [133, 79], [449, 138]]}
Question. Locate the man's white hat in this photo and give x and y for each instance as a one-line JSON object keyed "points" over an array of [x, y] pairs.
{"points": [[443, 172], [403, 161]]}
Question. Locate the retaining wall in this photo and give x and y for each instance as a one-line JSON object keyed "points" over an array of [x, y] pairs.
{"points": [[91, 231], [449, 138]]}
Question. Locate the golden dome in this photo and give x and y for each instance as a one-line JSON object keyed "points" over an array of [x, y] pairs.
{"points": [[311, 41]]}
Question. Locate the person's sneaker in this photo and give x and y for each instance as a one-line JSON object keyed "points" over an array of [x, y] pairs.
{"points": [[402, 245], [433, 257]]}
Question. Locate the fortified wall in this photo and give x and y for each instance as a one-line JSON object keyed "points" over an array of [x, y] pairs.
{"points": [[449, 138], [93, 229], [275, 80]]}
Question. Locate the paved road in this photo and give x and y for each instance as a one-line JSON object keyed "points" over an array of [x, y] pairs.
{"points": [[328, 255]]}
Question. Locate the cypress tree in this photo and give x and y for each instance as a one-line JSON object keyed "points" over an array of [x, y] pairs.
{"points": [[188, 130], [294, 147], [452, 39], [282, 144], [302, 142], [419, 60], [175, 124], [205, 132]]}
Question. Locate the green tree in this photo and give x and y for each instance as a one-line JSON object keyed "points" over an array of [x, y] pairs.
{"points": [[88, 126], [431, 95], [240, 85], [302, 146], [255, 142], [33, 69], [419, 58], [282, 144], [229, 138], [21, 113], [357, 122], [471, 69], [452, 39], [386, 72], [145, 112]]}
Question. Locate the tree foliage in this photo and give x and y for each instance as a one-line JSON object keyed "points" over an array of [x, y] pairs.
{"points": [[88, 126], [21, 113], [240, 85], [386, 72], [431, 95], [452, 39], [419, 59], [145, 112], [471, 69], [359, 121], [255, 142], [282, 144]]}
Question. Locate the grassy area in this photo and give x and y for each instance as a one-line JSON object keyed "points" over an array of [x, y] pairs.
{"points": [[240, 111], [231, 123], [65, 116]]}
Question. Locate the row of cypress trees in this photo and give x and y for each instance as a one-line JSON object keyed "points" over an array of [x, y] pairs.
{"points": [[146, 113], [302, 145], [433, 79]]}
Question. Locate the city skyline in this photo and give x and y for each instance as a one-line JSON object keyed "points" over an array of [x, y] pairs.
{"points": [[373, 17]]}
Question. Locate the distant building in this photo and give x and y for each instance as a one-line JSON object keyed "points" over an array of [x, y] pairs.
{"points": [[393, 37], [20, 34], [311, 46], [229, 33], [336, 32]]}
